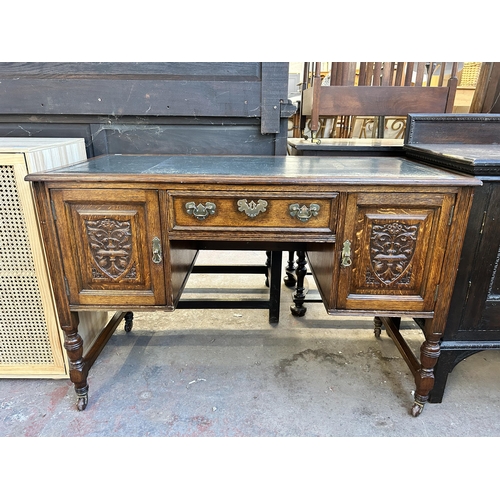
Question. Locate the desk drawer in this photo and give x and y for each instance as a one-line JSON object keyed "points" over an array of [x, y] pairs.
{"points": [[253, 211]]}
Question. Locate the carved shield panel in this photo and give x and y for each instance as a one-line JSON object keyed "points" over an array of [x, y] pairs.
{"points": [[110, 243], [392, 247]]}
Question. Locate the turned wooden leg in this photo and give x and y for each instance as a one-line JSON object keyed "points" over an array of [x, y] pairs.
{"points": [[73, 344], [289, 278], [377, 325], [429, 354], [275, 287], [268, 265], [298, 309], [129, 321]]}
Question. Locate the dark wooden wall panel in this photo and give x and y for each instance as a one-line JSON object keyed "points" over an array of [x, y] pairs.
{"points": [[169, 108], [130, 97], [133, 136], [187, 139], [248, 71]]}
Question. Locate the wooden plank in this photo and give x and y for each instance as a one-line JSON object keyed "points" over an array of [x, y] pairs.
{"points": [[419, 78], [387, 74], [398, 81], [243, 71], [441, 74], [155, 135], [452, 90], [186, 139], [89, 96], [349, 73], [362, 73], [316, 92], [409, 74], [387, 101], [376, 74], [369, 74]]}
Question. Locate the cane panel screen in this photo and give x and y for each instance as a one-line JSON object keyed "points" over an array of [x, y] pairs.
{"points": [[24, 335], [31, 342]]}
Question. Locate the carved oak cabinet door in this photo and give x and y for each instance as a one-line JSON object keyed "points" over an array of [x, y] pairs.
{"points": [[111, 246], [395, 259]]}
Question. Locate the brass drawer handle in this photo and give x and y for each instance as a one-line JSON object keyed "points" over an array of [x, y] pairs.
{"points": [[251, 208], [302, 212], [157, 256], [346, 254], [200, 211]]}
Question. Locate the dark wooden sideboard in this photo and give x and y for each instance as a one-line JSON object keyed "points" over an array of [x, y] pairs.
{"points": [[467, 143], [382, 235]]}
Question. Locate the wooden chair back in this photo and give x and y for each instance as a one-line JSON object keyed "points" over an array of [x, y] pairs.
{"points": [[376, 89]]}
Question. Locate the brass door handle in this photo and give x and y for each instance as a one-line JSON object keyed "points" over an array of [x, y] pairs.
{"points": [[200, 211], [303, 213], [346, 254], [157, 254]]}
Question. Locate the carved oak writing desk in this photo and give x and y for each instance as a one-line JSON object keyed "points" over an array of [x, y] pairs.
{"points": [[382, 236]]}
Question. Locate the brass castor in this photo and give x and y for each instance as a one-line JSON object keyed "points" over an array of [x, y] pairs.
{"points": [[417, 408], [82, 402]]}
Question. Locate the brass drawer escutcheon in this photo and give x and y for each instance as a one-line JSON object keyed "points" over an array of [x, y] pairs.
{"points": [[251, 208], [157, 255], [200, 211], [303, 213]]}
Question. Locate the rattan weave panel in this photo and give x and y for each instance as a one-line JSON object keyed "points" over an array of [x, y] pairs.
{"points": [[24, 338]]}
